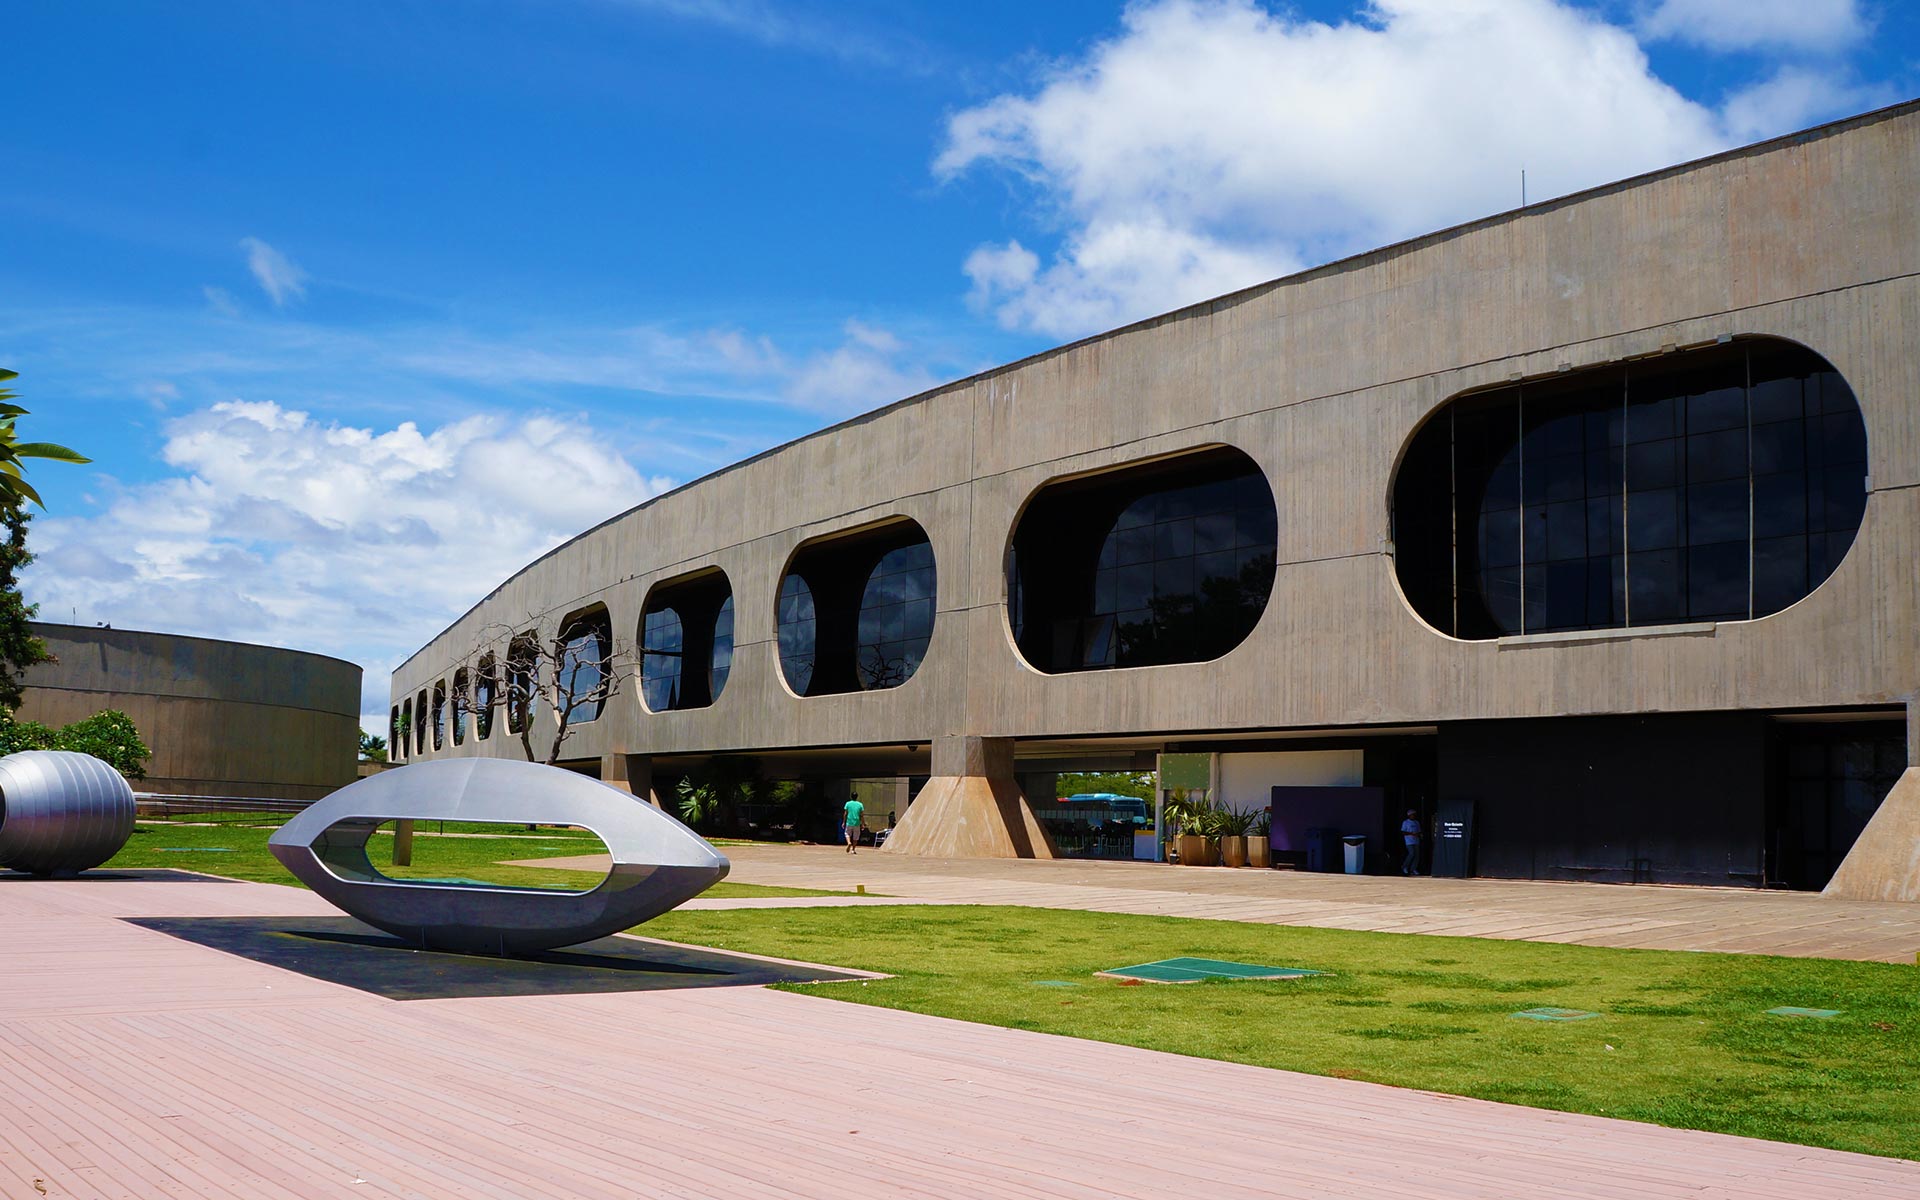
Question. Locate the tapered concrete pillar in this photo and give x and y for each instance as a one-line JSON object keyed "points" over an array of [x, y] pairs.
{"points": [[630, 773], [1884, 863], [971, 808]]}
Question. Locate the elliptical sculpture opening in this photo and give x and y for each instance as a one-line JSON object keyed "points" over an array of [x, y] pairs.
{"points": [[658, 863]]}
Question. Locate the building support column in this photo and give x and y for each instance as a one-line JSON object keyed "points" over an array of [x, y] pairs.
{"points": [[1884, 863], [630, 773], [971, 808]]}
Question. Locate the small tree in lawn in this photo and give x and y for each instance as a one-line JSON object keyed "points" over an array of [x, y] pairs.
{"points": [[568, 680], [19, 649]]}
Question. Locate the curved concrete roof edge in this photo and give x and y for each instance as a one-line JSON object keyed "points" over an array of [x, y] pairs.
{"points": [[1350, 263], [195, 637]]}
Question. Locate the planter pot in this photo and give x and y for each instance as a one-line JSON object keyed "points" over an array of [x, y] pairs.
{"points": [[1259, 852], [1233, 851], [1195, 850]]}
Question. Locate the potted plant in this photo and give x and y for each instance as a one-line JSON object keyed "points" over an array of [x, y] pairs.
{"points": [[1188, 817], [1259, 839], [1232, 830]]}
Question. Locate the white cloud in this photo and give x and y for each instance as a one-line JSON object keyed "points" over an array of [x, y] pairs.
{"points": [[1819, 26], [788, 25], [1794, 97], [276, 274], [868, 370], [870, 367], [277, 527], [220, 300], [1212, 144]]}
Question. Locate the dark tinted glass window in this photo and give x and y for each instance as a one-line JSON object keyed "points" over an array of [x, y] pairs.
{"points": [[663, 641], [394, 746], [586, 651], [485, 698], [856, 610], [1170, 562], [420, 723], [686, 641], [722, 661], [461, 682], [896, 616], [439, 715], [1719, 484], [797, 632], [523, 656]]}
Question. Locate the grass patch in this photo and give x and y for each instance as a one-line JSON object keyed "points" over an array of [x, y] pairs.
{"points": [[1683, 1039], [237, 849]]}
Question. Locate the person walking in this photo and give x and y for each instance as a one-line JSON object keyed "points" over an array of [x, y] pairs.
{"points": [[855, 818], [1410, 833]]}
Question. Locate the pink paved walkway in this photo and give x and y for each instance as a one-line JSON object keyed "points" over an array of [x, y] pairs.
{"points": [[136, 1065]]}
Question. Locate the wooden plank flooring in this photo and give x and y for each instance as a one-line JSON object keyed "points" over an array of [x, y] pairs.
{"points": [[1800, 924], [137, 1065]]}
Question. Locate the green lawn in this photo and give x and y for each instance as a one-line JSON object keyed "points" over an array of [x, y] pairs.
{"points": [[236, 846], [1682, 1038]]}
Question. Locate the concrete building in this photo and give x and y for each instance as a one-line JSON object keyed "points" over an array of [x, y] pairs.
{"points": [[1601, 514], [222, 718]]}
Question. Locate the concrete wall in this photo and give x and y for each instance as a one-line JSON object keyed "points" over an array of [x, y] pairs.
{"points": [[222, 718], [1321, 378], [1247, 780]]}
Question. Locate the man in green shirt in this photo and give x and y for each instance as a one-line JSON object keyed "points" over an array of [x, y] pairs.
{"points": [[855, 813]]}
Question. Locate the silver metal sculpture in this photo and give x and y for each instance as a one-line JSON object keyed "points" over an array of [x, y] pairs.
{"points": [[61, 812], [658, 863]]}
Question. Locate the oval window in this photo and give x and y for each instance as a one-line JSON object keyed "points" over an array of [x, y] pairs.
{"points": [[1720, 484]]}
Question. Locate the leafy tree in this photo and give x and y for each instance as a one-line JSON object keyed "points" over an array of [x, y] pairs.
{"points": [[1119, 783], [16, 736], [109, 735], [15, 491], [19, 649], [569, 678], [373, 748]]}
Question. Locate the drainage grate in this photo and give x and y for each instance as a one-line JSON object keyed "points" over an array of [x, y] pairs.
{"points": [[1193, 970]]}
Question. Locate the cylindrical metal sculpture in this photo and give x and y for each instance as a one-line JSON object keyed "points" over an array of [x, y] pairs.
{"points": [[61, 812]]}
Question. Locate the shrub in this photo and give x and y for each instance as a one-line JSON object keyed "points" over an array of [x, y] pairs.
{"points": [[109, 736]]}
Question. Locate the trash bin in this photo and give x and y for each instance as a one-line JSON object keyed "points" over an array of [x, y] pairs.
{"points": [[1323, 849], [1356, 847]]}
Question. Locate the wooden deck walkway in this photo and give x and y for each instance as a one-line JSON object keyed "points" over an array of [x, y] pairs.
{"points": [[1799, 924], [138, 1065]]}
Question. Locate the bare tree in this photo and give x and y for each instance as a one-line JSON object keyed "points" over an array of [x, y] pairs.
{"points": [[567, 679]]}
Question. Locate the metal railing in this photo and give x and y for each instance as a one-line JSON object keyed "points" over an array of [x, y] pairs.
{"points": [[162, 804]]}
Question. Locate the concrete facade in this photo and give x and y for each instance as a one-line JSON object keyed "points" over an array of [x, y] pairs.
{"points": [[1321, 378], [222, 718]]}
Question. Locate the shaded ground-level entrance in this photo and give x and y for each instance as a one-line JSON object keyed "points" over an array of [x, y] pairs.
{"points": [[1740, 799], [1715, 799], [1743, 799]]}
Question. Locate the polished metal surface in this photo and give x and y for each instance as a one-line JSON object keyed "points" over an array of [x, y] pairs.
{"points": [[657, 862], [61, 812]]}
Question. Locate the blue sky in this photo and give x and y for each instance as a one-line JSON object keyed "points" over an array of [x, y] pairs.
{"points": [[359, 306]]}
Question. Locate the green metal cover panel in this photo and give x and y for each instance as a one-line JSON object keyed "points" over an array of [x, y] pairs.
{"points": [[1789, 1011], [1554, 1014], [1193, 970], [1186, 771]]}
